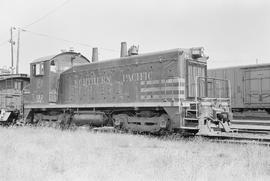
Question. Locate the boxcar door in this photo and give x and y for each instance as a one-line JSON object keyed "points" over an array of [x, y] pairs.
{"points": [[257, 86]]}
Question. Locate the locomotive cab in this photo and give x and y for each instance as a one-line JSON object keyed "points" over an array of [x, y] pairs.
{"points": [[45, 73]]}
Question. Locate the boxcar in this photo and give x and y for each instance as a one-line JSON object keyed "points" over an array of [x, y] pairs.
{"points": [[250, 86]]}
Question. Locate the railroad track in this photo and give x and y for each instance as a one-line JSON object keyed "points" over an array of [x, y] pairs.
{"points": [[238, 138], [232, 138], [235, 138], [252, 126]]}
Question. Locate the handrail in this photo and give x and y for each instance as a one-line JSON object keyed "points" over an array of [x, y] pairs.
{"points": [[209, 98]]}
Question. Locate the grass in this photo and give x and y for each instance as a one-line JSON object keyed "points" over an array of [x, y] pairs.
{"points": [[49, 154]]}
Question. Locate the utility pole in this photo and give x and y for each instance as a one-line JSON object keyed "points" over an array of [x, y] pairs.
{"points": [[18, 51], [12, 43]]}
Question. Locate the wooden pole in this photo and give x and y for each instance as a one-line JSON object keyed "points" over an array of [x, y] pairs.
{"points": [[18, 52], [11, 46]]}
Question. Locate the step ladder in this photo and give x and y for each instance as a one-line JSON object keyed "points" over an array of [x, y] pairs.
{"points": [[190, 121]]}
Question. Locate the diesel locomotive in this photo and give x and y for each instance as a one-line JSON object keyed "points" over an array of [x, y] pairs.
{"points": [[152, 92]]}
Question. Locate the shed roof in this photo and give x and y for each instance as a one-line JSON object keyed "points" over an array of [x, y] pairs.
{"points": [[42, 59], [14, 76]]}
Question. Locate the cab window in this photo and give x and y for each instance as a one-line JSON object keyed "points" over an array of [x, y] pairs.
{"points": [[38, 69], [52, 66], [18, 85], [193, 71]]}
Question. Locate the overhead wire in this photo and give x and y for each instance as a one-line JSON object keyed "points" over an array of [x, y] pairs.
{"points": [[47, 14], [57, 38], [42, 17], [53, 37], [66, 40]]}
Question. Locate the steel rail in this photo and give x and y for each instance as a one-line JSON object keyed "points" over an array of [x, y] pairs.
{"points": [[226, 138], [239, 138]]}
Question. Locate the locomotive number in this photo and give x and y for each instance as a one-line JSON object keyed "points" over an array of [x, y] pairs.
{"points": [[39, 98]]}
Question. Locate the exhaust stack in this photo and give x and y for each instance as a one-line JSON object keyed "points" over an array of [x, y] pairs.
{"points": [[123, 49], [95, 54]]}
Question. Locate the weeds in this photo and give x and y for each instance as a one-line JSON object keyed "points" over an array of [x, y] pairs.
{"points": [[49, 154]]}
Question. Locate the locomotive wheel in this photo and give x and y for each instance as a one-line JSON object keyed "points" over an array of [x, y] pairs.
{"points": [[61, 121], [119, 121], [157, 124], [163, 132], [64, 121], [37, 120], [72, 126]]}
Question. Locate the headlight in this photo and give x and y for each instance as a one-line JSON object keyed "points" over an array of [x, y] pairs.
{"points": [[197, 52]]}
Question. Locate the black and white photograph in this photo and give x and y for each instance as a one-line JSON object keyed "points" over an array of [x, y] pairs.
{"points": [[142, 90]]}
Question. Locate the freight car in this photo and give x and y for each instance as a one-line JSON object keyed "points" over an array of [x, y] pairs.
{"points": [[13, 89], [250, 87], [153, 92]]}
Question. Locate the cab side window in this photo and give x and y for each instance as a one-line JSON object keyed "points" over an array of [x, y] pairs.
{"points": [[38, 69], [18, 85], [52, 66]]}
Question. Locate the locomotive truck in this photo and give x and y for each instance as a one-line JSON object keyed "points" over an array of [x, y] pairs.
{"points": [[152, 92]]}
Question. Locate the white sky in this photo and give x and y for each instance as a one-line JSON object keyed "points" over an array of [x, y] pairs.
{"points": [[233, 32]]}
